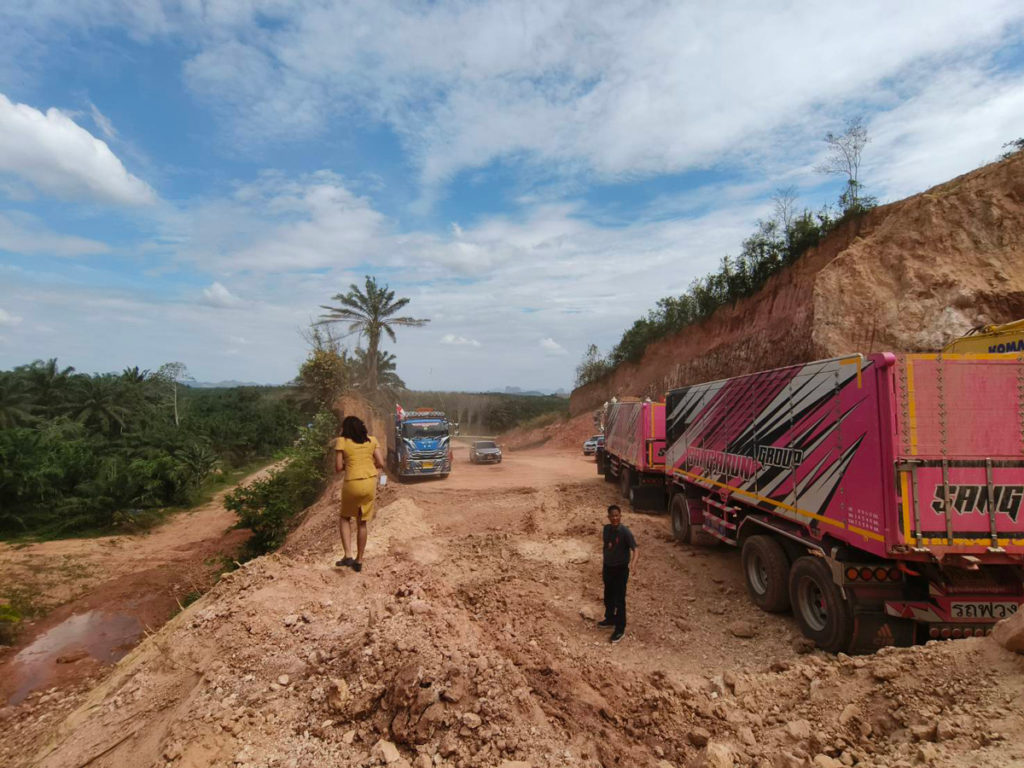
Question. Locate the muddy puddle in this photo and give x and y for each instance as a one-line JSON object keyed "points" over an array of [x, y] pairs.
{"points": [[101, 635]]}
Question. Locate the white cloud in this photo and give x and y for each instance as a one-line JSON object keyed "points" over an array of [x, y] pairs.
{"points": [[278, 223], [21, 233], [102, 122], [216, 295], [623, 92], [630, 90], [504, 282], [957, 122], [552, 347], [459, 341], [7, 320], [60, 158], [550, 275]]}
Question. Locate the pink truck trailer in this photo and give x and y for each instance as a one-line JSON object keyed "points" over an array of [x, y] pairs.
{"points": [[634, 451], [878, 497]]}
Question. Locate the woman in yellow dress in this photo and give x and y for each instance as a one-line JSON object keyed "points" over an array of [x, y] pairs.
{"points": [[357, 454]]}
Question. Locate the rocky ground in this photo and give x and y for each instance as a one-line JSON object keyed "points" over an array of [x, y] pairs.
{"points": [[470, 640]]}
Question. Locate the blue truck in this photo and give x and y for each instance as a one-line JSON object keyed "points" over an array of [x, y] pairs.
{"points": [[420, 444]]}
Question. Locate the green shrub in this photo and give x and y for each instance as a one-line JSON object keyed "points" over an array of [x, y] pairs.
{"points": [[269, 507], [9, 621]]}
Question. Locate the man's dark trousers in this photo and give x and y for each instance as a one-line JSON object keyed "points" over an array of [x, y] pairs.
{"points": [[615, 578]]}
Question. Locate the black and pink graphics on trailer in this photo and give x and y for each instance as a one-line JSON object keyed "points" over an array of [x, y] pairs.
{"points": [[782, 440], [881, 451]]}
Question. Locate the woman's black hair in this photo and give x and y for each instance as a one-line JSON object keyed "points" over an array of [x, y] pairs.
{"points": [[354, 429]]}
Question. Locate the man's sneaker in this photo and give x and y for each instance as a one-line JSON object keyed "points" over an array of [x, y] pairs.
{"points": [[344, 562], [617, 635], [606, 623]]}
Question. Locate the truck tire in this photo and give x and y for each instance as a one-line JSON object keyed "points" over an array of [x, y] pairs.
{"points": [[680, 513], [625, 481], [766, 569], [609, 475], [599, 460], [818, 606]]}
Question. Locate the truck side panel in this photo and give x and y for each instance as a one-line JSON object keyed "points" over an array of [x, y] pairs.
{"points": [[803, 442]]}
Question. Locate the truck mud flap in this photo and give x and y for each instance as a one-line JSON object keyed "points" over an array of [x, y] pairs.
{"points": [[872, 631], [648, 498]]}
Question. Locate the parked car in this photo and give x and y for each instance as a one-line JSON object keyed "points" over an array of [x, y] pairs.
{"points": [[590, 446], [484, 452]]}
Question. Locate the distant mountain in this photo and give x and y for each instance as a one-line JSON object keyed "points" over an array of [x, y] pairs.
{"points": [[533, 392], [227, 384]]}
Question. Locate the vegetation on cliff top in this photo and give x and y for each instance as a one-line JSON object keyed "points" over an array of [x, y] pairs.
{"points": [[774, 244]]}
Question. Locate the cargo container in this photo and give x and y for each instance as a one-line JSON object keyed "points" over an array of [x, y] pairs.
{"points": [[878, 496], [634, 451]]}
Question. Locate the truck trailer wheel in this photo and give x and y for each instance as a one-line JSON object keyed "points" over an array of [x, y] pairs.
{"points": [[819, 607], [625, 481], [766, 569], [680, 512]]}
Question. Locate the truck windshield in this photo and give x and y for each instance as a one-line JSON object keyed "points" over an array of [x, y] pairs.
{"points": [[424, 429]]}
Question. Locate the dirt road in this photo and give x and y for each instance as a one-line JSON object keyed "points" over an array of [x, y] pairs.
{"points": [[469, 640], [99, 595]]}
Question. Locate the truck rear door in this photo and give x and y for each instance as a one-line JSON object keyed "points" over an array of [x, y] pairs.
{"points": [[960, 452]]}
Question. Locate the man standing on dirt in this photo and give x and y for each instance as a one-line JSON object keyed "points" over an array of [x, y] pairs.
{"points": [[619, 548]]}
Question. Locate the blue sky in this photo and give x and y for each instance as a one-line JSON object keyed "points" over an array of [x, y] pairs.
{"points": [[190, 180]]}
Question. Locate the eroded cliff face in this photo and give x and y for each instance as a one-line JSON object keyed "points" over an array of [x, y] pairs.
{"points": [[906, 277], [939, 264]]}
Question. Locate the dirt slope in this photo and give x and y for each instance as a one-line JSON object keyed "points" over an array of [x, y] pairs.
{"points": [[562, 434], [470, 640], [906, 277], [98, 595]]}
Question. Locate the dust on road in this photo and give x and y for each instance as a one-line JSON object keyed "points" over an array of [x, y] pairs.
{"points": [[470, 639]]}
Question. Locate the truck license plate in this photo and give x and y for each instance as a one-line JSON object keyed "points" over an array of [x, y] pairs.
{"points": [[427, 465], [982, 610]]}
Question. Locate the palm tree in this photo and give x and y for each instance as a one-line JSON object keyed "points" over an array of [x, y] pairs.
{"points": [[16, 404], [48, 383], [134, 375], [368, 314], [96, 403], [387, 369]]}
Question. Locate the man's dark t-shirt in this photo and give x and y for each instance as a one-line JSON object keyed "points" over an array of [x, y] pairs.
{"points": [[618, 545]]}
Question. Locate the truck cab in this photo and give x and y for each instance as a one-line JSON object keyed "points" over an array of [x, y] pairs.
{"points": [[421, 444]]}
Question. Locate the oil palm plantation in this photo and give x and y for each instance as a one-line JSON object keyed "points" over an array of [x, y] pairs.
{"points": [[48, 383], [370, 312], [96, 402], [16, 402]]}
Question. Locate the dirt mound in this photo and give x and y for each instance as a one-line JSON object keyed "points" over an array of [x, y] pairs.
{"points": [[906, 277], [562, 434], [468, 642]]}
